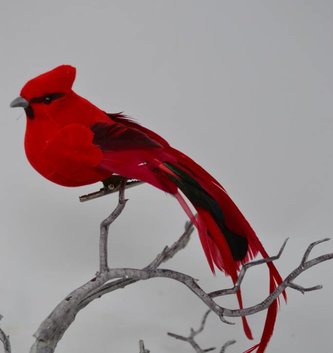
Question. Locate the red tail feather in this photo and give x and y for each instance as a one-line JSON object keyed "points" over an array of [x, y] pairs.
{"points": [[213, 239], [216, 250]]}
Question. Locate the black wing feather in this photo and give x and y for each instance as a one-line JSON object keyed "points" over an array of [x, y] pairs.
{"points": [[120, 137]]}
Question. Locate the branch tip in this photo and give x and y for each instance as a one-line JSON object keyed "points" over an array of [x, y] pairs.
{"points": [[223, 319], [142, 347], [302, 289], [310, 248], [226, 345], [282, 248]]}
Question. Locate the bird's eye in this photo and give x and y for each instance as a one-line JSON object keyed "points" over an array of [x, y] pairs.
{"points": [[47, 99]]}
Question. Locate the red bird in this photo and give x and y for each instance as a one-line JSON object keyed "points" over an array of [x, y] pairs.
{"points": [[71, 142]]}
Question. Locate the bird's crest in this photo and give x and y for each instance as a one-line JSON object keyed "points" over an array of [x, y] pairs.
{"points": [[59, 79]]}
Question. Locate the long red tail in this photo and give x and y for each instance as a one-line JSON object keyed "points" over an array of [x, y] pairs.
{"points": [[227, 238]]}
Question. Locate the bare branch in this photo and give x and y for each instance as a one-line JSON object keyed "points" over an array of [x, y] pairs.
{"points": [[304, 289], [104, 228], [243, 270], [310, 247], [191, 283], [142, 347], [107, 280], [226, 345], [288, 282], [191, 338], [55, 325], [202, 326], [169, 252], [166, 254], [5, 340], [64, 314]]}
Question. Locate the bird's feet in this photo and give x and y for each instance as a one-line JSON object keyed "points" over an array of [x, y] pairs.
{"points": [[111, 185]]}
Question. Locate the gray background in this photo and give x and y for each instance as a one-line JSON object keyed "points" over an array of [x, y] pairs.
{"points": [[244, 88]]}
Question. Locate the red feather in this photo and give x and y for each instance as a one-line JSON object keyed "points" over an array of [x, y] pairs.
{"points": [[72, 143]]}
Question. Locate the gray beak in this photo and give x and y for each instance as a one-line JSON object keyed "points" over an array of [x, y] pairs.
{"points": [[19, 102]]}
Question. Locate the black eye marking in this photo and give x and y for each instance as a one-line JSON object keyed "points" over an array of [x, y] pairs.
{"points": [[47, 98], [30, 112]]}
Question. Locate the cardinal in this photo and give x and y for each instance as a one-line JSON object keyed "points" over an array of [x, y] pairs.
{"points": [[71, 142]]}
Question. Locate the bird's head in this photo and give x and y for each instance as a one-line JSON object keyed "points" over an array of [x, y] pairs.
{"points": [[45, 90]]}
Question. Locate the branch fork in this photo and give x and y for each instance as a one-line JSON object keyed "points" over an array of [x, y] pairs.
{"points": [[193, 333]]}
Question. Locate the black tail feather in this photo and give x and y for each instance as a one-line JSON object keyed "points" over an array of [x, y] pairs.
{"points": [[201, 199]]}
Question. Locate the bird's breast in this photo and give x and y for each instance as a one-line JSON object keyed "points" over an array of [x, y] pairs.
{"points": [[37, 137]]}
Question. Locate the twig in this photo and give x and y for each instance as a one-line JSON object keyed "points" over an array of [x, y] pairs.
{"points": [[166, 254], [243, 271], [5, 340], [191, 338], [202, 326], [104, 228], [142, 347], [169, 252], [288, 282], [226, 345]]}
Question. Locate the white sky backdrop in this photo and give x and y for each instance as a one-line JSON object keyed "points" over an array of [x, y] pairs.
{"points": [[245, 88]]}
